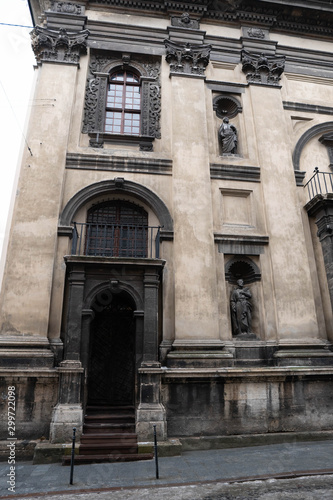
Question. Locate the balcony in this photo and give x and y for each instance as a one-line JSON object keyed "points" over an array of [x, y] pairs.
{"points": [[321, 183], [116, 240]]}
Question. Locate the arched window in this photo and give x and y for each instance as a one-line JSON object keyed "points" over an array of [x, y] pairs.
{"points": [[117, 229], [123, 104]]}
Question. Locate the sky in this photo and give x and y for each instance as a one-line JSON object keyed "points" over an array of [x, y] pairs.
{"points": [[16, 78]]}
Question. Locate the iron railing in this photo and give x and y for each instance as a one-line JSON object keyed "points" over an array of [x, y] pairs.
{"points": [[116, 240], [320, 183]]}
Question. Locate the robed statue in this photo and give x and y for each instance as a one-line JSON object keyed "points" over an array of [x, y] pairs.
{"points": [[228, 134], [241, 308]]}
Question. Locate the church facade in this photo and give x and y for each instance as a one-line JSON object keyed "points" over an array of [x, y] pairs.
{"points": [[171, 241]]}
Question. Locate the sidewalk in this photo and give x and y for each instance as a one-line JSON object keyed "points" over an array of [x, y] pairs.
{"points": [[192, 467]]}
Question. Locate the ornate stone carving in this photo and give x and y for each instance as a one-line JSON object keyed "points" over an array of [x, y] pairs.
{"points": [[262, 69], [58, 46], [185, 21], [256, 33], [241, 309], [187, 58], [228, 135], [67, 8], [96, 89]]}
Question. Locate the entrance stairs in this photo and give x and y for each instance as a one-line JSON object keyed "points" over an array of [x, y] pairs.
{"points": [[108, 436]]}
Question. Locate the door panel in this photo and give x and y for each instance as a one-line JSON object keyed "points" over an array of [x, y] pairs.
{"points": [[111, 374]]}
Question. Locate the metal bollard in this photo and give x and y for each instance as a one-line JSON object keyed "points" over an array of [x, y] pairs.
{"points": [[73, 456], [155, 452]]}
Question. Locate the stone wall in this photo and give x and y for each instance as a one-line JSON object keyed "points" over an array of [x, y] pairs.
{"points": [[219, 406], [35, 397]]}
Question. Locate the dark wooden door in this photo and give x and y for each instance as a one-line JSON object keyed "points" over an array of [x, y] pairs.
{"points": [[111, 375]]}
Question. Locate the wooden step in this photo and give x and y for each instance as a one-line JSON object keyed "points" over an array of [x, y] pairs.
{"points": [[122, 437], [109, 408], [114, 449], [102, 458], [115, 418], [104, 427]]}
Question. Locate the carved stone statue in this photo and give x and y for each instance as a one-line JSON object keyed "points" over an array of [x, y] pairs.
{"points": [[241, 307], [228, 134]]}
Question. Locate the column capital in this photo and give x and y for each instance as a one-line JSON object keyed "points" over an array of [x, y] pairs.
{"points": [[262, 69], [58, 46], [187, 59]]}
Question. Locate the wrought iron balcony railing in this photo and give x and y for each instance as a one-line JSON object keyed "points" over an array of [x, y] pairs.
{"points": [[116, 240], [320, 183]]}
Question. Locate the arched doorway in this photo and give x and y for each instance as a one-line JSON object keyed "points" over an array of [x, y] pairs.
{"points": [[111, 365]]}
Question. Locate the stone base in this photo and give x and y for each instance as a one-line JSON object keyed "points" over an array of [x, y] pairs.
{"points": [[255, 353], [244, 440], [199, 359], [64, 418], [207, 354], [169, 448], [309, 356], [48, 453], [24, 449], [25, 351], [245, 336], [148, 415]]}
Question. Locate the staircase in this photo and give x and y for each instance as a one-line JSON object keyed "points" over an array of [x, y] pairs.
{"points": [[108, 436]]}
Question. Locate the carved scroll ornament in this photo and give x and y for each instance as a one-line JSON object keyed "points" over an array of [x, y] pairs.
{"points": [[58, 46], [187, 58]]}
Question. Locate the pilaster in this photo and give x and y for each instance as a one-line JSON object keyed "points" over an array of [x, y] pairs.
{"points": [[321, 208], [196, 309], [293, 293], [150, 322], [28, 275]]}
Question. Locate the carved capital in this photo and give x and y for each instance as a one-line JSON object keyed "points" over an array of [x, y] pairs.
{"points": [[262, 69], [187, 58], [58, 46], [325, 227]]}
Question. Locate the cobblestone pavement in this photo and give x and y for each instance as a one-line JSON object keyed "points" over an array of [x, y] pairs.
{"points": [[196, 475], [302, 488]]}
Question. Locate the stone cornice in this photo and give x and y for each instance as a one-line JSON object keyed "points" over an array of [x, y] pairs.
{"points": [[310, 17], [313, 17]]}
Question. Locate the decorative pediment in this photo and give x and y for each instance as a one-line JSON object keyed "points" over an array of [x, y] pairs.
{"points": [[187, 58], [58, 46], [262, 69]]}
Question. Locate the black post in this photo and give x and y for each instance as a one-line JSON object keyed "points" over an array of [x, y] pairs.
{"points": [[155, 450], [72, 457]]}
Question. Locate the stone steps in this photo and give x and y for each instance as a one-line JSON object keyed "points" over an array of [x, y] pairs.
{"points": [[108, 436]]}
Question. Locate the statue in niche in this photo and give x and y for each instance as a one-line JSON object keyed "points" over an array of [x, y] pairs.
{"points": [[241, 308], [228, 134]]}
